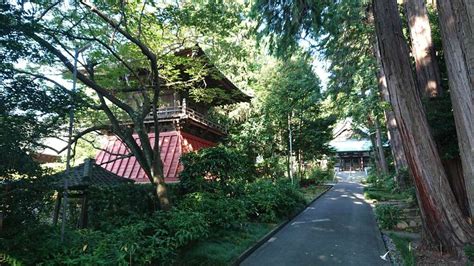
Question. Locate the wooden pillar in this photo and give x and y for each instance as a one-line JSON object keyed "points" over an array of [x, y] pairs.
{"points": [[82, 223], [57, 207], [1, 221]]}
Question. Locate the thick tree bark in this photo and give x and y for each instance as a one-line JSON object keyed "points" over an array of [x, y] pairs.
{"points": [[393, 134], [443, 223], [422, 49], [378, 138], [457, 28], [373, 141], [453, 169]]}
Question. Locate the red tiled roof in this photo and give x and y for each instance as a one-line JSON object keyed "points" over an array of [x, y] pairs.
{"points": [[172, 145]]}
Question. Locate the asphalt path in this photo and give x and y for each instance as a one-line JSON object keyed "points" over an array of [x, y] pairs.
{"points": [[337, 229]]}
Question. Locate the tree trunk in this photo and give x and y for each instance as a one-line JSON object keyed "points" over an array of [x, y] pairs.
{"points": [[457, 28], [396, 147], [453, 169], [378, 138], [159, 182], [376, 154], [422, 49], [393, 134], [443, 223]]}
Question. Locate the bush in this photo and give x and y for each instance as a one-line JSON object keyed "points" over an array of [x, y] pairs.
{"points": [[113, 206], [469, 252], [217, 168], [26, 201], [271, 201], [120, 204], [219, 210], [387, 215], [150, 240], [317, 176]]}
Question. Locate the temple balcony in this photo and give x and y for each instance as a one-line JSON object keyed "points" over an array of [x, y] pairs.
{"points": [[185, 114]]}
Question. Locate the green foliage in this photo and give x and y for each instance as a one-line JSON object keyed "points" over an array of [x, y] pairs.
{"points": [[387, 215], [113, 206], [287, 94], [406, 250], [29, 111], [286, 22], [384, 188], [149, 240], [25, 201], [270, 201], [469, 251], [220, 211], [311, 192], [317, 176], [126, 228], [224, 245], [384, 195], [214, 169]]}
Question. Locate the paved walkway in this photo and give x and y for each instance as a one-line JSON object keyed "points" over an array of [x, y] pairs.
{"points": [[338, 229]]}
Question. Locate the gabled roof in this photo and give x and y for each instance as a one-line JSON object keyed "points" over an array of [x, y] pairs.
{"points": [[217, 79], [86, 174], [351, 145], [172, 145]]}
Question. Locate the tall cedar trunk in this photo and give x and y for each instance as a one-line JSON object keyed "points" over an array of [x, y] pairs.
{"points": [[398, 154], [457, 28], [375, 151], [396, 147], [378, 138], [453, 169], [422, 49], [443, 222], [393, 134]]}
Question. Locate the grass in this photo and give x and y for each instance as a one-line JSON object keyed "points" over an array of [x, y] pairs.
{"points": [[224, 246], [311, 192], [403, 246], [382, 194]]}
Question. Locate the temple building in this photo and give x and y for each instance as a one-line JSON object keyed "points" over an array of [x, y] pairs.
{"points": [[352, 151], [183, 123]]}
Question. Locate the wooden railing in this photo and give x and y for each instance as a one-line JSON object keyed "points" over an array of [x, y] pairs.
{"points": [[183, 112]]}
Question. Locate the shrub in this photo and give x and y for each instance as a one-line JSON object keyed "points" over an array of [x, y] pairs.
{"points": [[113, 206], [317, 176], [270, 201], [26, 201], [219, 210], [150, 240], [120, 204], [387, 215], [216, 168], [469, 251]]}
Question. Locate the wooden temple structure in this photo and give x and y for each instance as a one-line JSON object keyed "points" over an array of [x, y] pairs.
{"points": [[352, 152], [184, 126], [80, 178]]}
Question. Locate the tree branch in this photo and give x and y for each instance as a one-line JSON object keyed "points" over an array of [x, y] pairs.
{"points": [[47, 10], [85, 132], [100, 90], [117, 158], [145, 50]]}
